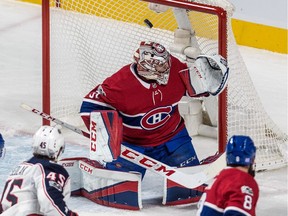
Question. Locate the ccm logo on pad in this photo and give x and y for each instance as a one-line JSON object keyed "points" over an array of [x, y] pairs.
{"points": [[130, 155], [86, 168]]}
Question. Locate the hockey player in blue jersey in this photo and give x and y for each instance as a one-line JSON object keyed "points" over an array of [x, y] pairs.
{"points": [[39, 186]]}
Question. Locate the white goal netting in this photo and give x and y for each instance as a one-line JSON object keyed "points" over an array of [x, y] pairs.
{"points": [[90, 40]]}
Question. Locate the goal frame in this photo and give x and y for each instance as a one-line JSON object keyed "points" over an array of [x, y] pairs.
{"points": [[222, 50]]}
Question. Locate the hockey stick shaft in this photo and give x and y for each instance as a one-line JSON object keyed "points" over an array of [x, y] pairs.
{"points": [[57, 121], [190, 180]]}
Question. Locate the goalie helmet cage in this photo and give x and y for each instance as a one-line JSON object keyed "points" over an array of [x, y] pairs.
{"points": [[85, 41]]}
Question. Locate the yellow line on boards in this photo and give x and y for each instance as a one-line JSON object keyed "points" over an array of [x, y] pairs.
{"points": [[250, 34], [32, 1], [260, 36]]}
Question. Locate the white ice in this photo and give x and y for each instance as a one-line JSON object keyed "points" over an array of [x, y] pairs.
{"points": [[20, 81]]}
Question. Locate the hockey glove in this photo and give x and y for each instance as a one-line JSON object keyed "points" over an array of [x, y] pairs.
{"points": [[208, 75]]}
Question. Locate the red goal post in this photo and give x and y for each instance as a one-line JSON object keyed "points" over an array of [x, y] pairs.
{"points": [[86, 41], [222, 50]]}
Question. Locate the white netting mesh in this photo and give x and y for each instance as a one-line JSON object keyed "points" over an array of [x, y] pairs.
{"points": [[90, 40]]}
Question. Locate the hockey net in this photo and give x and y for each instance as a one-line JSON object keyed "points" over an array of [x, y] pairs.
{"points": [[85, 41]]}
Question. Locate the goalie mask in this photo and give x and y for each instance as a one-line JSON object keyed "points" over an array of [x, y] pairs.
{"points": [[153, 62], [49, 142]]}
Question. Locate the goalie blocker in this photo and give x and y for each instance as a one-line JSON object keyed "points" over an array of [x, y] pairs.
{"points": [[105, 136]]}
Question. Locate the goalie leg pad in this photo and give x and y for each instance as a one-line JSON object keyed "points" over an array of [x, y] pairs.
{"points": [[122, 195], [105, 187], [175, 194]]}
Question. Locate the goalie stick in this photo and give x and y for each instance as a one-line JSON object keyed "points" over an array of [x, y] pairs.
{"points": [[191, 178]]}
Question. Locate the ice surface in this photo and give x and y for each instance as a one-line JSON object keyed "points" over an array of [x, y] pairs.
{"points": [[20, 81]]}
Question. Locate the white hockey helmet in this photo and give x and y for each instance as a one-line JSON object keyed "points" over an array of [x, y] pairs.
{"points": [[49, 142], [153, 62]]}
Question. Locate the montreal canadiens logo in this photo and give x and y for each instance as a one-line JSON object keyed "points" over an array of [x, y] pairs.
{"points": [[156, 118]]}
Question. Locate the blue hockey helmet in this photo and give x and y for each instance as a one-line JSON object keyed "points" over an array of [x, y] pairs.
{"points": [[240, 150]]}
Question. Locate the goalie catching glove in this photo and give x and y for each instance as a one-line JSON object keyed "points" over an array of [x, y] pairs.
{"points": [[207, 76]]}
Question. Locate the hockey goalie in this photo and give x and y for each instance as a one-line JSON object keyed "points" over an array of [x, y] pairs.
{"points": [[138, 107]]}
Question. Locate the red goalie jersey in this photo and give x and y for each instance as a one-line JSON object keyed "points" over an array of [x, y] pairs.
{"points": [[233, 192], [149, 111]]}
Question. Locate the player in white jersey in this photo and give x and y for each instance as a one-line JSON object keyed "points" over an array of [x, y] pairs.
{"points": [[39, 186]]}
